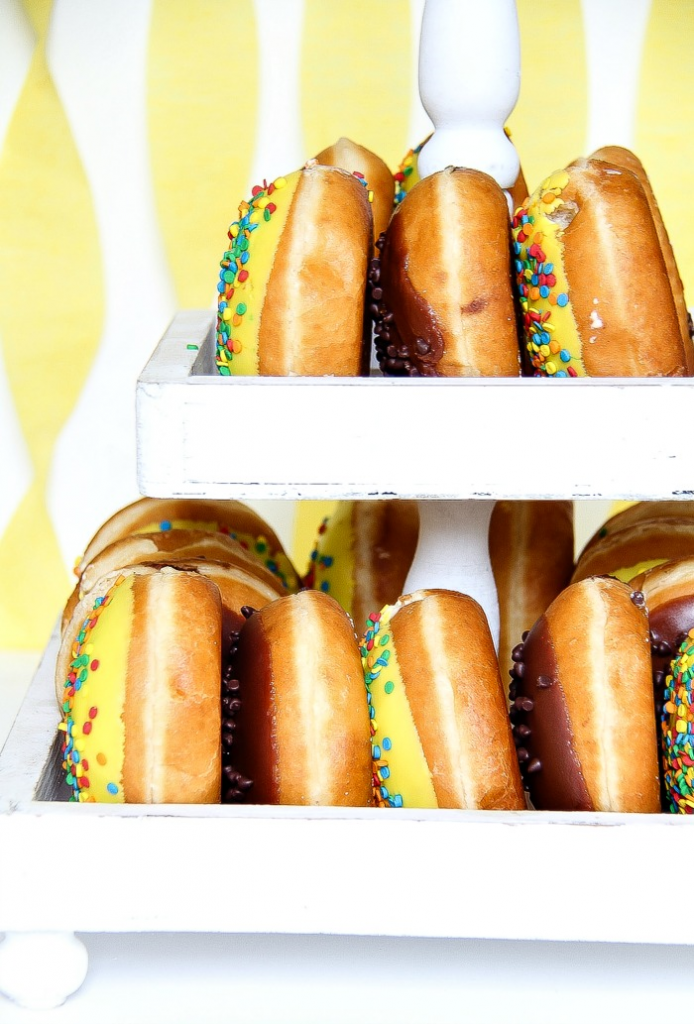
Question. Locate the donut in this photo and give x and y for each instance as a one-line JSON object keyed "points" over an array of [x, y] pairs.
{"points": [[407, 176], [440, 730], [621, 157], [640, 537], [301, 733], [676, 731], [531, 548], [154, 515], [363, 553], [140, 679], [584, 309], [356, 159], [582, 703], [170, 547], [668, 591], [170, 696], [292, 280], [440, 292]]}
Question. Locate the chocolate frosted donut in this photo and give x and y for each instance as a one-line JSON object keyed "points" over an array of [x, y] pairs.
{"points": [[582, 703], [440, 293], [300, 729]]}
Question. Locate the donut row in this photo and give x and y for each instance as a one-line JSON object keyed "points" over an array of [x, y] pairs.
{"points": [[320, 258], [191, 670], [189, 673]]}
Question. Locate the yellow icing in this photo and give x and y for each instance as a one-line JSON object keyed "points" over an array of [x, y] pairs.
{"points": [[550, 341], [628, 573], [399, 763], [276, 561], [240, 306], [100, 658], [333, 559]]}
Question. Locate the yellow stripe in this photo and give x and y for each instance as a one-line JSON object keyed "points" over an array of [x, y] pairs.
{"points": [[307, 521], [202, 105], [357, 76], [549, 122], [51, 310], [665, 119]]}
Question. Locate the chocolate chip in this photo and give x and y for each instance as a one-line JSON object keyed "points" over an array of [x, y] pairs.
{"points": [[524, 703], [523, 755], [247, 611], [534, 766], [638, 597], [517, 653], [544, 682]]}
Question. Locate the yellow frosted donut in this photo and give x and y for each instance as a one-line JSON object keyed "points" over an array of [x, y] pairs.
{"points": [[441, 736], [292, 279]]}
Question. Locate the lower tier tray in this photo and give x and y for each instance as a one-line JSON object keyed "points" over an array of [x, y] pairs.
{"points": [[522, 875], [203, 435]]}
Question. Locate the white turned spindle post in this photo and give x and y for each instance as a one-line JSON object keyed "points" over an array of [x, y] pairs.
{"points": [[39, 970], [469, 80]]}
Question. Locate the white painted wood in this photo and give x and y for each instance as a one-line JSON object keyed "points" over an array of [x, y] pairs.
{"points": [[39, 970], [457, 874], [26, 754], [453, 553], [427, 438], [469, 81]]}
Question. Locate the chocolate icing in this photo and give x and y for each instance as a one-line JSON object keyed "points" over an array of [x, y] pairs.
{"points": [[254, 742], [669, 625], [409, 342], [542, 727], [235, 785]]}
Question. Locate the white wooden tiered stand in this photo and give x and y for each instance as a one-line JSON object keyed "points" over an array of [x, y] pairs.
{"points": [[455, 445]]}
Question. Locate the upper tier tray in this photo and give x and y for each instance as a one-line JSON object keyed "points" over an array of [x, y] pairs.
{"points": [[333, 437]]}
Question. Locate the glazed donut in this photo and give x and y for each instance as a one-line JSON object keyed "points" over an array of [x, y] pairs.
{"points": [[639, 538], [238, 584], [153, 515], [440, 728], [302, 728], [140, 678], [531, 548], [582, 712], [585, 312], [407, 176], [676, 731], [441, 296], [621, 157], [292, 282], [363, 553], [170, 547], [367, 165]]}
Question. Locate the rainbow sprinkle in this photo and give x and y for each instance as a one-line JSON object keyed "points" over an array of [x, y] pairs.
{"points": [[375, 655], [537, 287], [234, 272], [407, 174], [677, 726], [82, 667]]}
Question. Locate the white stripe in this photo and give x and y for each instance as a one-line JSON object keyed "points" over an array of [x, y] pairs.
{"points": [[280, 146], [420, 123], [97, 54], [17, 42]]}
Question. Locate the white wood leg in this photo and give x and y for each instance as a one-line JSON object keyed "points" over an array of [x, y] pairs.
{"points": [[453, 553], [39, 970]]}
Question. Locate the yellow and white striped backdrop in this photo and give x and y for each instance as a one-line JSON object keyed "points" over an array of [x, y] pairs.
{"points": [[130, 130]]}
